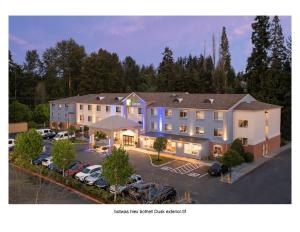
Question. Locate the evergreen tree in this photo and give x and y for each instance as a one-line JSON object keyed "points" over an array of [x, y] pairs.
{"points": [[131, 74], [166, 74], [258, 62]]}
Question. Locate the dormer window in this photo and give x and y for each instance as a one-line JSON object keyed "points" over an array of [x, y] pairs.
{"points": [[209, 100], [100, 98], [178, 100], [118, 98]]}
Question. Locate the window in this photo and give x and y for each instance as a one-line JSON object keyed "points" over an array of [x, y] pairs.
{"points": [[217, 150], [200, 115], [107, 108], [183, 114], [218, 115], [148, 142], [59, 106], [66, 115], [171, 146], [244, 141], [89, 118], [98, 108], [183, 129], [168, 113], [168, 127], [130, 110], [153, 112], [89, 107], [81, 107], [200, 130], [66, 105], [192, 149], [81, 117], [139, 110], [118, 109], [243, 123], [53, 105], [153, 126], [218, 132]]}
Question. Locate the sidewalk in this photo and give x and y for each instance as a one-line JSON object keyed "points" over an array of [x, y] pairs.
{"points": [[245, 168], [167, 155]]}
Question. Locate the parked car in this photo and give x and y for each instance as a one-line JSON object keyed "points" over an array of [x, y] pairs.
{"points": [[63, 135], [101, 183], [90, 180], [11, 144], [87, 172], [76, 168], [139, 191], [47, 161], [54, 167], [46, 133], [157, 195], [41, 157], [217, 169], [133, 179]]}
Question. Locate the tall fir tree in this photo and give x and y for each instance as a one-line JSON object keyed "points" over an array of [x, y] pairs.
{"points": [[258, 62]]}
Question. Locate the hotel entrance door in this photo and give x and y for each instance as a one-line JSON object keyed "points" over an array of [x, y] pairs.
{"points": [[128, 140]]}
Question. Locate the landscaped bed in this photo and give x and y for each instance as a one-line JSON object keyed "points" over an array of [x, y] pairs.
{"points": [[162, 160]]}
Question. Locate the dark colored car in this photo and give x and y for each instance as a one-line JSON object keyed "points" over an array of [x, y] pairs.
{"points": [[53, 167], [76, 168], [102, 183], [165, 194], [217, 169], [42, 156], [50, 135], [138, 191]]}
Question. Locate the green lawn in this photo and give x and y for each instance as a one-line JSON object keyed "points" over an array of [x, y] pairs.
{"points": [[162, 160]]}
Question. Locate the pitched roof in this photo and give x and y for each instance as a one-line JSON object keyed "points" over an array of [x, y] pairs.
{"points": [[108, 98], [162, 99], [255, 105], [186, 100]]}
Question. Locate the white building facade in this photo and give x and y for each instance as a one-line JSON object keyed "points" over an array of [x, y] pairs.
{"points": [[195, 125]]}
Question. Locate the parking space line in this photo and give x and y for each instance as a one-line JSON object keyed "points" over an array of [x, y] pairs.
{"points": [[203, 175]]}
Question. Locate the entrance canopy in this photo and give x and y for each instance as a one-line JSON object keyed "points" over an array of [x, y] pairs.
{"points": [[114, 123]]}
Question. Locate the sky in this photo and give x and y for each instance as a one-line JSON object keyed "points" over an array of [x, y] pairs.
{"points": [[141, 37]]}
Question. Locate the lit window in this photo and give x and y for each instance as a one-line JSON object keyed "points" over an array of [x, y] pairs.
{"points": [[192, 149], [107, 108], [130, 110], [218, 115], [183, 114], [243, 123], [168, 127], [200, 115], [118, 109], [171, 146], [183, 129], [168, 113], [98, 108], [200, 130], [244, 141], [89, 118], [89, 107], [218, 132]]}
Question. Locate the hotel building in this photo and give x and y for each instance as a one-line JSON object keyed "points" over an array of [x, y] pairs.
{"points": [[195, 125]]}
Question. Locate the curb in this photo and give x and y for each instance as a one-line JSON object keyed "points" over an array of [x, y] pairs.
{"points": [[160, 165], [57, 183]]}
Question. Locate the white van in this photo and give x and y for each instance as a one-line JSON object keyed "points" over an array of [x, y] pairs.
{"points": [[63, 135]]}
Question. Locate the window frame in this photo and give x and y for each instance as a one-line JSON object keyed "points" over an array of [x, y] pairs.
{"points": [[183, 132], [107, 108], [168, 115], [241, 123], [186, 114], [199, 128], [118, 111], [203, 114], [218, 112], [170, 125], [217, 133]]}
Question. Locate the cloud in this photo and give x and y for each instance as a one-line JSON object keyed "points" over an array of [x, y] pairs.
{"points": [[17, 40], [242, 29]]}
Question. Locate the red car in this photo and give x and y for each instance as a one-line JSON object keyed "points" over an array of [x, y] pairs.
{"points": [[76, 168]]}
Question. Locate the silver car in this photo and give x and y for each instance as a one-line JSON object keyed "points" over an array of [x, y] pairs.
{"points": [[90, 180]]}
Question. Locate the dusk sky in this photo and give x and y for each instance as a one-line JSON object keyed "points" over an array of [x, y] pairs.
{"points": [[143, 38]]}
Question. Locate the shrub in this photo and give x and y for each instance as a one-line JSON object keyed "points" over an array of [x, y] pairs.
{"points": [[86, 128], [32, 124], [100, 135], [72, 130], [248, 157], [41, 113], [237, 146], [231, 158], [19, 112]]}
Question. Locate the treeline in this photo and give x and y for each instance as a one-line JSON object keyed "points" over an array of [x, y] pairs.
{"points": [[67, 70]]}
